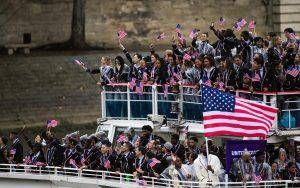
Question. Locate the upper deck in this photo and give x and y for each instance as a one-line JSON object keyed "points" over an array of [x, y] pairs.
{"points": [[120, 102]]}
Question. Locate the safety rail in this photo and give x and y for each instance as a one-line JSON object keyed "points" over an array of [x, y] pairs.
{"points": [[115, 179], [120, 102]]}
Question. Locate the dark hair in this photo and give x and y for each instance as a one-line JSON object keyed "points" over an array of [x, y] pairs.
{"points": [[139, 56], [260, 59], [289, 30], [147, 128], [106, 143], [272, 34], [13, 132], [142, 149], [155, 55], [194, 138], [260, 153], [194, 155], [130, 147], [290, 164], [238, 56], [175, 136], [229, 63], [229, 33], [210, 59], [121, 60], [150, 155], [256, 39], [4, 140], [246, 35], [206, 33]]}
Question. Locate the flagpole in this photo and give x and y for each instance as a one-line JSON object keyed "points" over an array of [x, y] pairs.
{"points": [[206, 143]]}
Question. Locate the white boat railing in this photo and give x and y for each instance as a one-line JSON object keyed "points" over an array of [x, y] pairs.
{"points": [[119, 102], [115, 179]]}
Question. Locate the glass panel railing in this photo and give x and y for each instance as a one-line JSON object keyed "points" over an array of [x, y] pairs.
{"points": [[121, 102]]}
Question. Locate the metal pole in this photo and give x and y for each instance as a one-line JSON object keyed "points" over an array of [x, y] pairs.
{"points": [[128, 103], [207, 154]]}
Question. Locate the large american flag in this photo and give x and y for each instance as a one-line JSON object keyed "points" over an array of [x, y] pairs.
{"points": [[226, 114]]}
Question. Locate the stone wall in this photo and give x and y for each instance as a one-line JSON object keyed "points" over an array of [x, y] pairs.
{"points": [[144, 19], [49, 21]]}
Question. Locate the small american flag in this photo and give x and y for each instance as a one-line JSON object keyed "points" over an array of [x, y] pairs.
{"points": [[257, 179], [121, 34], [72, 162], [242, 22], [121, 138], [180, 36], [221, 84], [187, 57], [237, 27], [139, 88], [252, 24], [132, 83], [193, 33], [153, 162], [27, 160], [186, 129], [256, 78], [246, 76], [221, 21], [107, 164], [177, 76], [52, 123], [293, 72], [226, 114], [207, 82], [82, 161], [166, 87], [292, 35], [40, 164], [145, 76], [178, 28], [161, 36]]}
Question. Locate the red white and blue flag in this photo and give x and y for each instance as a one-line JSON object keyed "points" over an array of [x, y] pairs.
{"points": [[294, 72], [255, 78], [242, 22], [121, 34], [193, 33], [226, 114], [52, 123], [187, 57], [221, 21], [252, 24], [153, 162], [161, 36], [178, 28]]}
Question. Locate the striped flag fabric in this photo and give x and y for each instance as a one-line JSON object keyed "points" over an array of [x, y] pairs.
{"points": [[242, 22], [193, 33], [166, 92], [257, 179], [294, 72], [121, 34], [292, 35], [187, 57], [180, 36], [207, 82], [107, 164], [52, 123], [237, 27], [221, 84], [153, 162], [226, 114], [178, 28], [246, 76], [161, 36], [139, 88], [252, 24], [255, 78], [132, 83]]}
